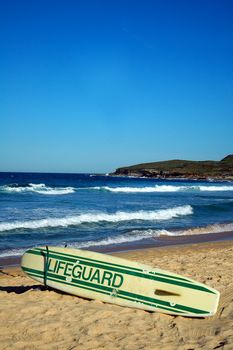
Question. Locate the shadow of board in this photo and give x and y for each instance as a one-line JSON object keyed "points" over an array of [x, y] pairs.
{"points": [[22, 289]]}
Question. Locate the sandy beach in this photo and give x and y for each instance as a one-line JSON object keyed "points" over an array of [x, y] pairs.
{"points": [[33, 317]]}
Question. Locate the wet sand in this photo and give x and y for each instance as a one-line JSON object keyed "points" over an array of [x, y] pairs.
{"points": [[33, 317], [162, 241]]}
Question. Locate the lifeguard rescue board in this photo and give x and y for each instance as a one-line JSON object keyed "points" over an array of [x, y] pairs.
{"points": [[119, 281]]}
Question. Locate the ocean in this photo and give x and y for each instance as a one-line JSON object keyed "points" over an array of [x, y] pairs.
{"points": [[100, 211]]}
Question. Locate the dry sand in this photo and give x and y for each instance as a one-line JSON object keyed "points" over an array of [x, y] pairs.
{"points": [[32, 317]]}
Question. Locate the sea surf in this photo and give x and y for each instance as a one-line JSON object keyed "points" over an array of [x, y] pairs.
{"points": [[93, 211]]}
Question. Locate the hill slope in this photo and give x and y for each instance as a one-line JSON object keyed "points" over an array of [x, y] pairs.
{"points": [[176, 168]]}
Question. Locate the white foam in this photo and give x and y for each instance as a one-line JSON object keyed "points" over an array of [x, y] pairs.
{"points": [[138, 235], [133, 236], [46, 190], [157, 215], [163, 188], [12, 252], [215, 188], [37, 188], [215, 228], [157, 188]]}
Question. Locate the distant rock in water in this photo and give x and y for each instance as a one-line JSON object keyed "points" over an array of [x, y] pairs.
{"points": [[176, 168]]}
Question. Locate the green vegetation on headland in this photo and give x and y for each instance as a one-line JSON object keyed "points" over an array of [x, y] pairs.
{"points": [[176, 168]]}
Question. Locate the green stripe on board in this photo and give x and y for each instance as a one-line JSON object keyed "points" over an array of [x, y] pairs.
{"points": [[76, 281], [150, 304], [165, 303], [96, 288], [173, 277], [116, 265], [141, 298], [76, 257], [69, 258], [58, 281], [40, 275]]}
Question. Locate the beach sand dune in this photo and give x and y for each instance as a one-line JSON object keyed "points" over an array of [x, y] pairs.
{"points": [[33, 317]]}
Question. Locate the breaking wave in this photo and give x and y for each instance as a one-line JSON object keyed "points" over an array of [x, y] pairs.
{"points": [[133, 236], [12, 252], [36, 188], [164, 188], [138, 235], [215, 188], [157, 215], [47, 190], [157, 188], [215, 228]]}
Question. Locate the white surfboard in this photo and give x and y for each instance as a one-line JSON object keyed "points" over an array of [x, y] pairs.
{"points": [[119, 281]]}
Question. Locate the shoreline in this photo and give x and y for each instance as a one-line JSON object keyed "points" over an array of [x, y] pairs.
{"points": [[174, 178], [159, 242]]}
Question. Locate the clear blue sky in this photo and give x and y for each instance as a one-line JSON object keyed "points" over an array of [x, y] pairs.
{"points": [[88, 86]]}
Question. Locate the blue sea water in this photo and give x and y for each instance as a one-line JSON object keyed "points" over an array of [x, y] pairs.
{"points": [[87, 210]]}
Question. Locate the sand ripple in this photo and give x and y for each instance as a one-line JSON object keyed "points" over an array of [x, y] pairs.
{"points": [[32, 317]]}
